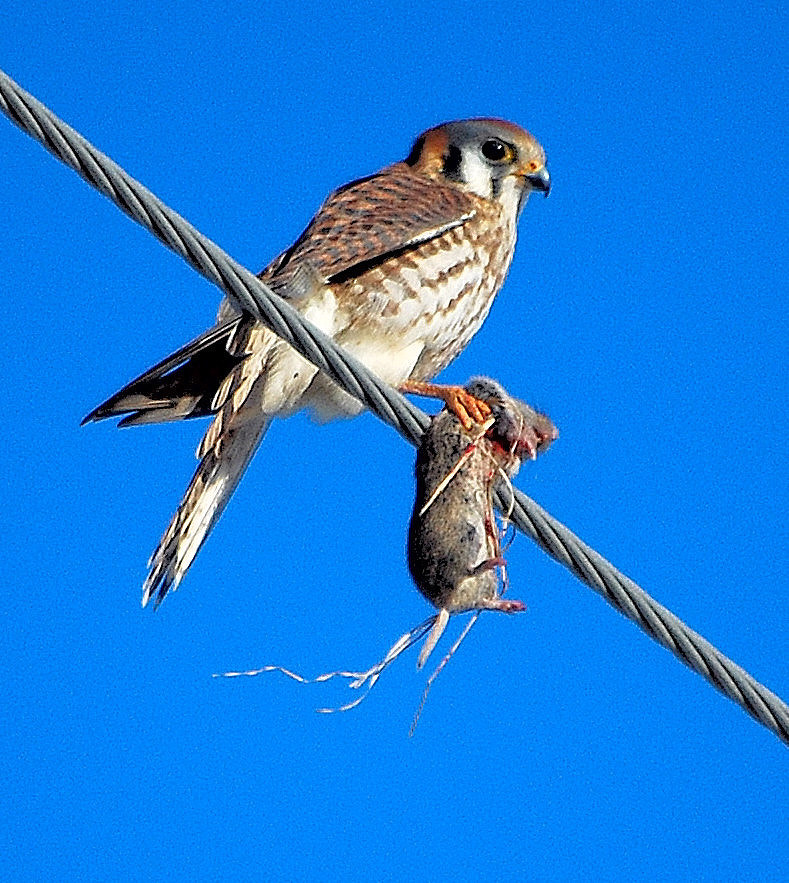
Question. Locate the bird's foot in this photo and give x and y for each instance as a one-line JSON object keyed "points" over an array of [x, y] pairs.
{"points": [[467, 408]]}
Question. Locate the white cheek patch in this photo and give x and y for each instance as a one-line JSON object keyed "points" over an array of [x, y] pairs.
{"points": [[476, 175]]}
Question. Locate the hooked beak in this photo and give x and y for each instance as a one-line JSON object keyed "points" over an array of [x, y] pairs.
{"points": [[539, 180]]}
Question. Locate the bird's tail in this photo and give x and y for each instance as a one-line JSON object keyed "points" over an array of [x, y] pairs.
{"points": [[181, 386], [225, 456]]}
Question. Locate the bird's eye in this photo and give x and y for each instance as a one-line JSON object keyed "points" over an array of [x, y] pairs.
{"points": [[496, 150]]}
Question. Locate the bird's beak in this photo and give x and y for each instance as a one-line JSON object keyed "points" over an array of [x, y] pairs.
{"points": [[539, 180]]}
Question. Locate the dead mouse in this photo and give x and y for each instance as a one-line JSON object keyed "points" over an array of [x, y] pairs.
{"points": [[454, 549]]}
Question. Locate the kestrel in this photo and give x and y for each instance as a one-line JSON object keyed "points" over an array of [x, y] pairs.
{"points": [[402, 266]]}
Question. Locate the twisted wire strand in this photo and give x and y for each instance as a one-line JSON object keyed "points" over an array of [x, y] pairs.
{"points": [[251, 295]]}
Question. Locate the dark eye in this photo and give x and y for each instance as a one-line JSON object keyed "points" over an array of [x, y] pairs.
{"points": [[495, 150]]}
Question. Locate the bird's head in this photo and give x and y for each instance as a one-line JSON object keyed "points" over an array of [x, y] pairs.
{"points": [[491, 158]]}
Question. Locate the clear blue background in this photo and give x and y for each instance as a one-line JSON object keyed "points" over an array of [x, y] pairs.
{"points": [[645, 312]]}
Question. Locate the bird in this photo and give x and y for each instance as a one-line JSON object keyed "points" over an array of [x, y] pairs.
{"points": [[400, 268]]}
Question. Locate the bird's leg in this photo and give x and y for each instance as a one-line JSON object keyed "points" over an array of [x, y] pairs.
{"points": [[466, 407]]}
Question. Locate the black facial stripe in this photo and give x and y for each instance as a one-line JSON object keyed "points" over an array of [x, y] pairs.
{"points": [[495, 187], [522, 199], [416, 151], [453, 161]]}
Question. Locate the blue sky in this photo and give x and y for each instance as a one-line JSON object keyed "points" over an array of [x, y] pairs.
{"points": [[645, 312]]}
